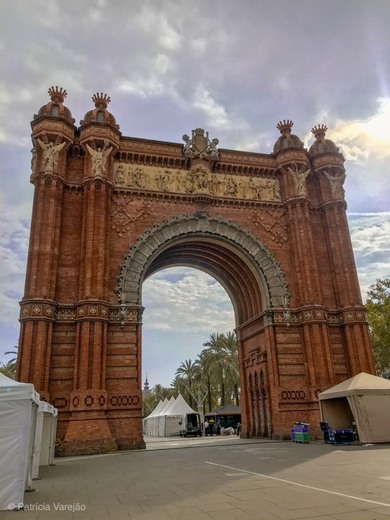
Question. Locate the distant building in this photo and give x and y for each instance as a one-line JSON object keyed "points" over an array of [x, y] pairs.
{"points": [[146, 391]]}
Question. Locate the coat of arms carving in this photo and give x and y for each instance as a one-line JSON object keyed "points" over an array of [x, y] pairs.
{"points": [[199, 145]]}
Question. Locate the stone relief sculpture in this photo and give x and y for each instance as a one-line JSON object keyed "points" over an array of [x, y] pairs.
{"points": [[199, 145], [120, 175], [51, 153], [336, 184], [231, 186], [299, 177], [197, 180], [99, 158], [34, 157], [163, 181], [188, 146]]}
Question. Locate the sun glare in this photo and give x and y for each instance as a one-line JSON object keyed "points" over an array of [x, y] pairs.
{"points": [[378, 127]]}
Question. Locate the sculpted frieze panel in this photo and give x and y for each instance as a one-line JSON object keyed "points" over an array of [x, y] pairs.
{"points": [[198, 180]]}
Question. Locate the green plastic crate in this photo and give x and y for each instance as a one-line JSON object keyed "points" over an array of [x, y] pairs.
{"points": [[301, 436]]}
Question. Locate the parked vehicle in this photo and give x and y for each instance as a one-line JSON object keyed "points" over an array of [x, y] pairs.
{"points": [[191, 425]]}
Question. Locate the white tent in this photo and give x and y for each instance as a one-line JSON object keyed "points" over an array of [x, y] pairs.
{"points": [[45, 437], [151, 422], [173, 419], [363, 399], [18, 418]]}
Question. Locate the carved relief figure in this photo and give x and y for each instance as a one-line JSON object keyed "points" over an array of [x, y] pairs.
{"points": [[120, 175], [268, 190], [99, 158], [299, 179], [162, 180], [190, 182], [231, 186], [255, 188], [139, 178], [213, 148], [214, 184], [33, 158], [136, 178], [50, 154], [179, 181], [277, 194], [200, 180], [336, 184], [187, 146]]}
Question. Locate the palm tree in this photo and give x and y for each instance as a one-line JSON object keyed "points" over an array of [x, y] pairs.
{"points": [[231, 363], [15, 353], [9, 368], [188, 372], [161, 392], [207, 381], [213, 356], [221, 362]]}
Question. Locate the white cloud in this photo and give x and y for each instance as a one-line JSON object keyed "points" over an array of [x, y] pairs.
{"points": [[362, 139], [370, 234], [156, 26], [194, 303], [216, 114]]}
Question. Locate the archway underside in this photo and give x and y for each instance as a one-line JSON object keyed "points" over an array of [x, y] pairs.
{"points": [[223, 264]]}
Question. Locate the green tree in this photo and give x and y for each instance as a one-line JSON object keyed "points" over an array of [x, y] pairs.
{"points": [[378, 316], [187, 376], [221, 362], [9, 368]]}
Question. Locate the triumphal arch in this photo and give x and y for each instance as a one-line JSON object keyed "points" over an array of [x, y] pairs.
{"points": [[109, 211]]}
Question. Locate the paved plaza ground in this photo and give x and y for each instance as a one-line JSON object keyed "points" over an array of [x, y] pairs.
{"points": [[216, 479]]}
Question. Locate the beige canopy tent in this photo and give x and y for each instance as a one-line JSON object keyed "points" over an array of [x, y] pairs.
{"points": [[363, 399]]}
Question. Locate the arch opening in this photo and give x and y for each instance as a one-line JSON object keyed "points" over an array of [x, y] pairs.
{"points": [[184, 306], [239, 261]]}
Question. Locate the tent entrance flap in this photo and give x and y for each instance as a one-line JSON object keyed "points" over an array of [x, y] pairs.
{"points": [[337, 413], [363, 399]]}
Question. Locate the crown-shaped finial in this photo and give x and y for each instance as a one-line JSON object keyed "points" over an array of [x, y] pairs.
{"points": [[319, 130], [57, 95], [285, 125], [101, 100]]}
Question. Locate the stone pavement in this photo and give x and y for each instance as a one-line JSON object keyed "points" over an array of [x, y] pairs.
{"points": [[216, 479]]}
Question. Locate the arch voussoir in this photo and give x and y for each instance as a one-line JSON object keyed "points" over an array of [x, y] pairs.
{"points": [[187, 226]]}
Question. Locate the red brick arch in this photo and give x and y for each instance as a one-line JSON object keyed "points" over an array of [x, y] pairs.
{"points": [[240, 262], [109, 211]]}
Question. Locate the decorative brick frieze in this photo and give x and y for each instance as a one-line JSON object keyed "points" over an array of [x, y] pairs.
{"points": [[124, 401], [92, 311], [88, 400], [102, 132], [53, 126], [37, 310], [328, 160], [293, 395]]}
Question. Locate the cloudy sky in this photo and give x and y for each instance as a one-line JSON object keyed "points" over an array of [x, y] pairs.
{"points": [[233, 68]]}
